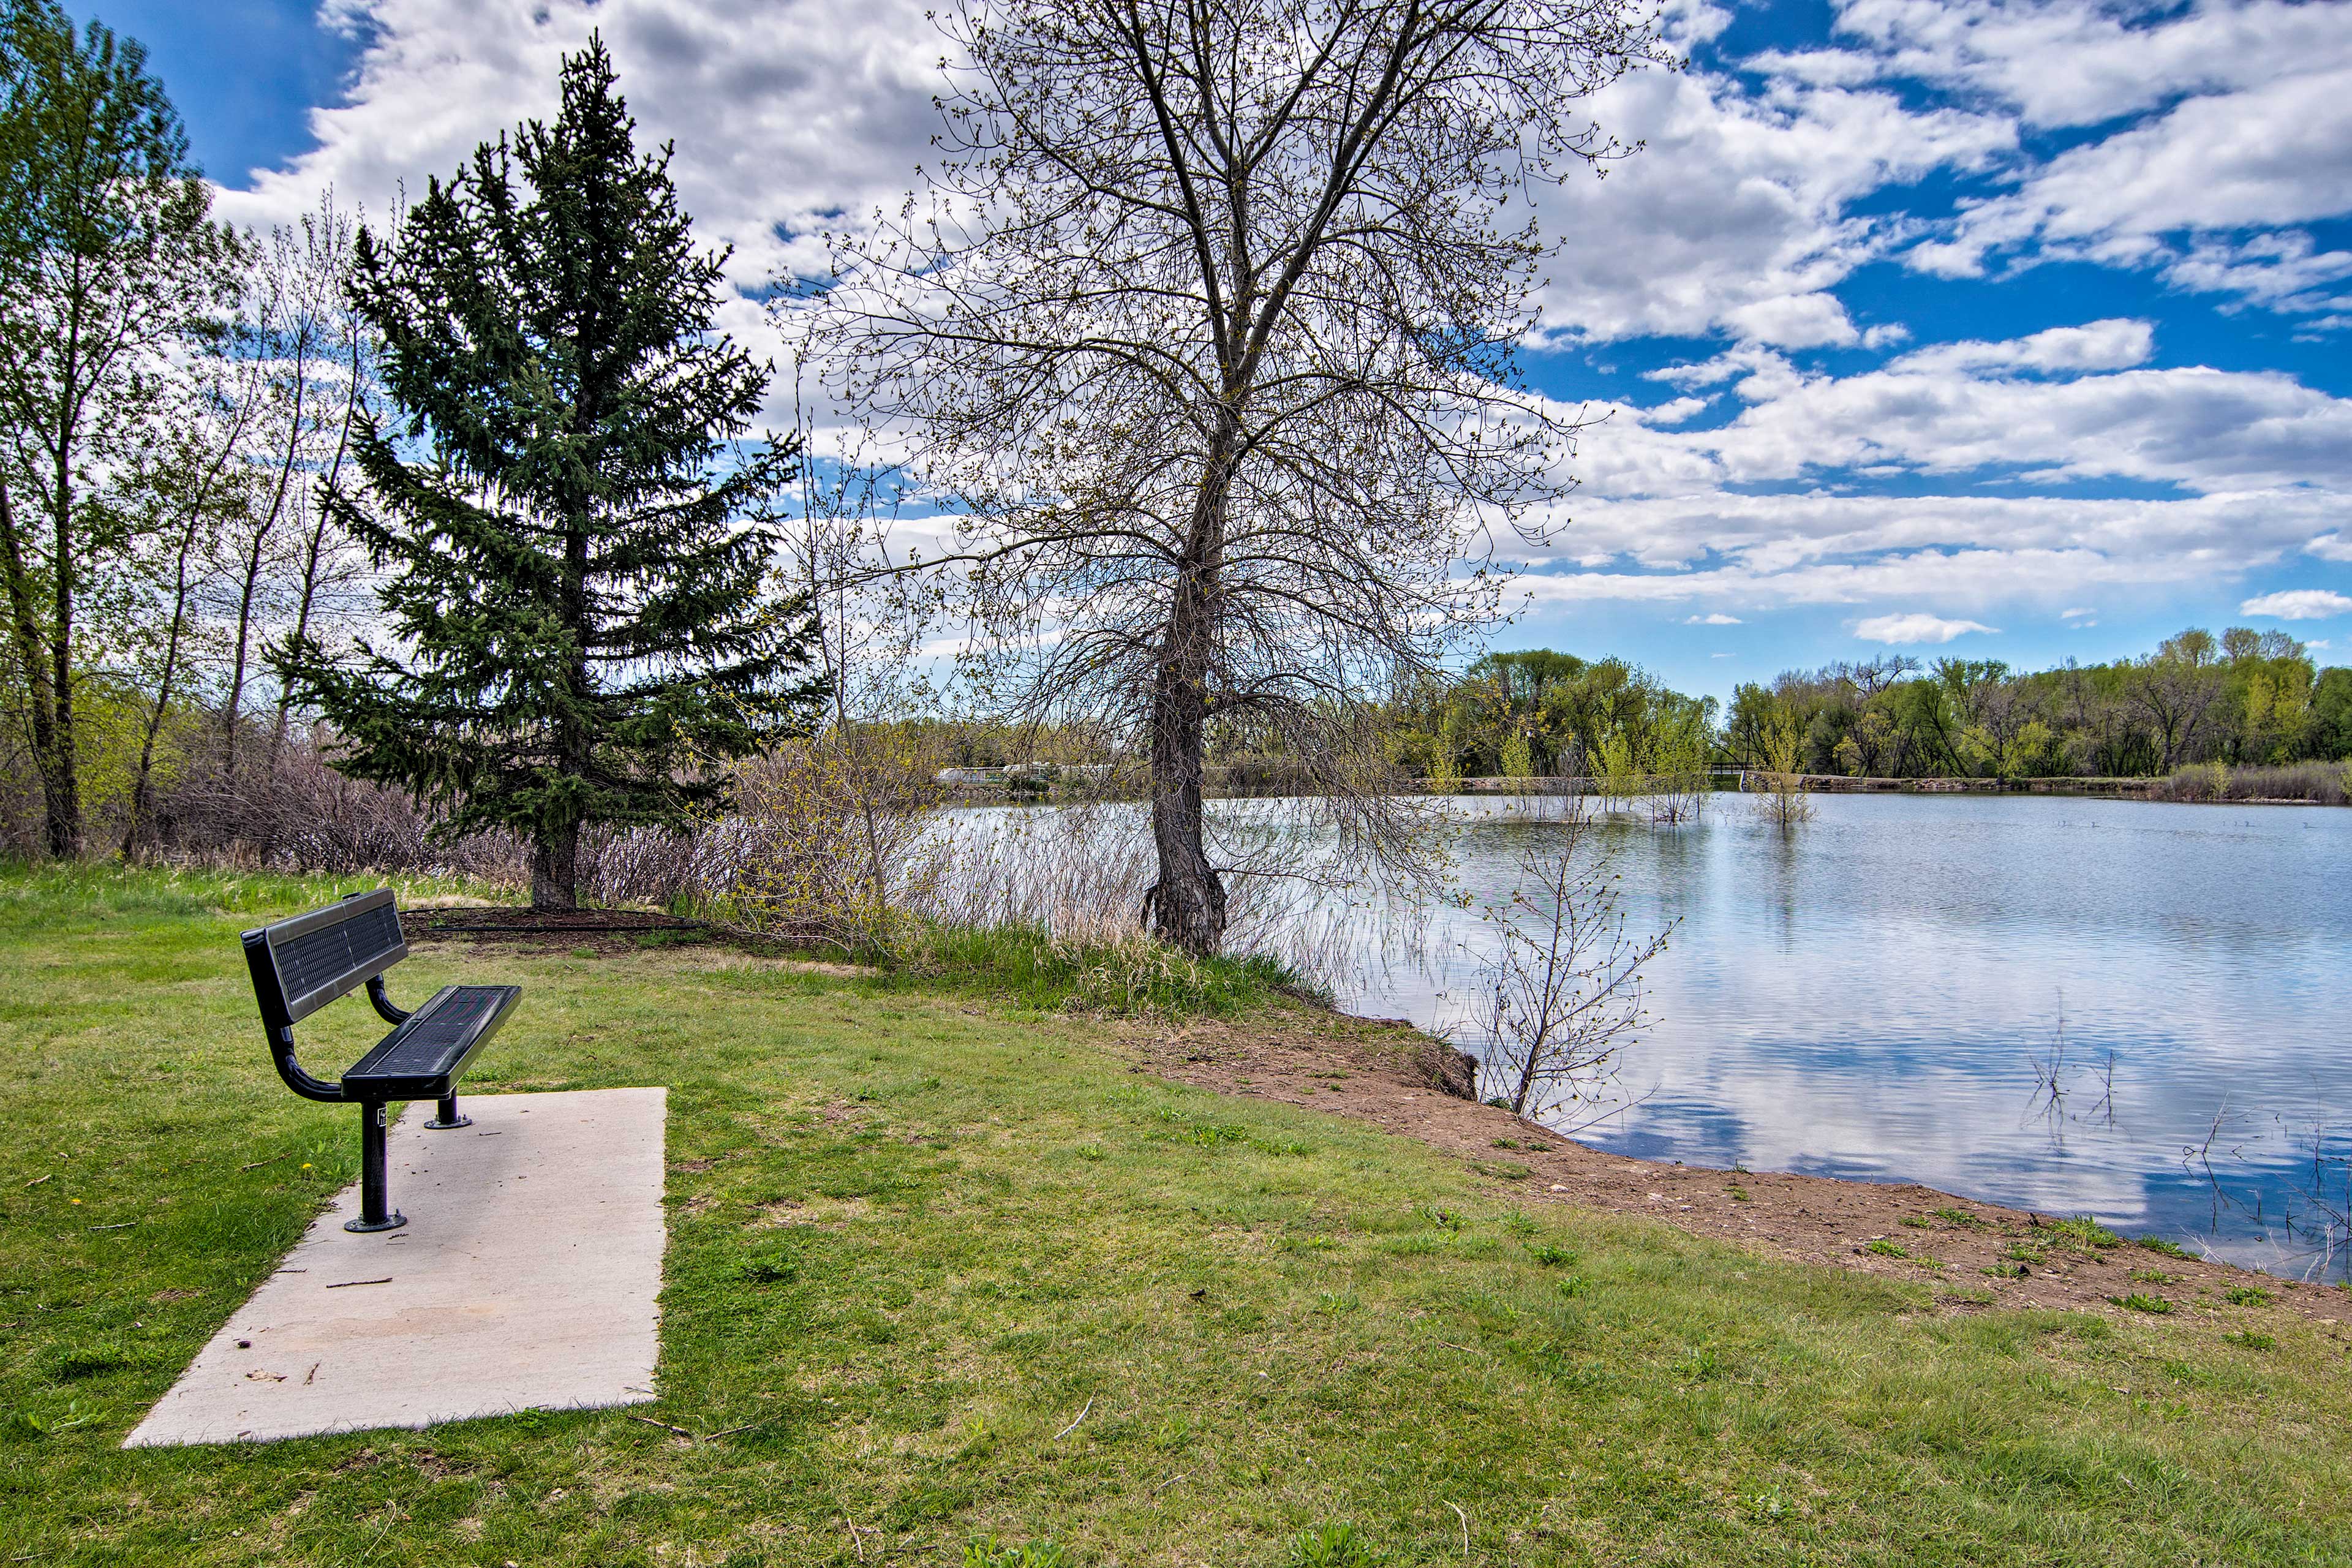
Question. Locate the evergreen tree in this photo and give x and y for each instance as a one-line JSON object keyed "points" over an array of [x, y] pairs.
{"points": [[579, 579]]}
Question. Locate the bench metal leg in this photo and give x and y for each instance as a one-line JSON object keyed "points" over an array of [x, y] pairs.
{"points": [[450, 1116], [376, 1212]]}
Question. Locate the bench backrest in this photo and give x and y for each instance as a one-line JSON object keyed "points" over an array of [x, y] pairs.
{"points": [[301, 965]]}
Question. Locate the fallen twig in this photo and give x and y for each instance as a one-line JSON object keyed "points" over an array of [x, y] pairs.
{"points": [[126, 1225], [1074, 1424], [36, 1182], [340, 1284], [1466, 1526], [258, 1164], [694, 1436], [1170, 1482]]}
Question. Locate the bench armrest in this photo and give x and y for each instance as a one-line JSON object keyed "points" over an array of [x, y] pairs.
{"points": [[279, 1028], [383, 1003]]}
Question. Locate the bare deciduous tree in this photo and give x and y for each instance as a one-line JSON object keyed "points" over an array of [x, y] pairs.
{"points": [[1560, 998], [1206, 332]]}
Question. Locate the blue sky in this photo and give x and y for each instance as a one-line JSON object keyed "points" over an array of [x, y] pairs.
{"points": [[2001, 328]]}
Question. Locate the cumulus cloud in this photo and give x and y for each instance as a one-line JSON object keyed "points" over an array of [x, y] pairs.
{"points": [[1986, 408], [2113, 345], [2298, 604], [810, 117], [1737, 216], [1916, 627], [2232, 117], [1964, 477]]}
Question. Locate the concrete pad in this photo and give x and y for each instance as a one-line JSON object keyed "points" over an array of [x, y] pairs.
{"points": [[527, 1277]]}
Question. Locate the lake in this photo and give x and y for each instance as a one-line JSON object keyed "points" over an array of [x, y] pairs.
{"points": [[1868, 995]]}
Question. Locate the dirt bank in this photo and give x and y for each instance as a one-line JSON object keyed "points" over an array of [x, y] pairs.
{"points": [[1974, 1255]]}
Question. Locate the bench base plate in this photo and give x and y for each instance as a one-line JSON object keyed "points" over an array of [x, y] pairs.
{"points": [[526, 1278]]}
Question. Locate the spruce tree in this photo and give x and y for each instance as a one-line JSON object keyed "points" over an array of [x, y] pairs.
{"points": [[569, 524]]}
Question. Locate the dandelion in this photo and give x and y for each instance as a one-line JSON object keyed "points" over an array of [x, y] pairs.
{"points": [[73, 1199], [306, 1164]]}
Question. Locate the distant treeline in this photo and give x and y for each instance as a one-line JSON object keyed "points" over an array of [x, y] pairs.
{"points": [[2243, 699]]}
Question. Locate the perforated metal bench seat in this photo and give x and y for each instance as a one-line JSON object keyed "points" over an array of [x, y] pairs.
{"points": [[424, 1057], [302, 964]]}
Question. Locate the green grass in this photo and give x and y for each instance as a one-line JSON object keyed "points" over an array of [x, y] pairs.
{"points": [[1022, 966], [1034, 1307]]}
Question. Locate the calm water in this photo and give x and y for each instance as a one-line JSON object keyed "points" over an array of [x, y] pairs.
{"points": [[1867, 997]]}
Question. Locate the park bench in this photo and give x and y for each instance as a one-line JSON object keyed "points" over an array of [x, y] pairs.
{"points": [[301, 965]]}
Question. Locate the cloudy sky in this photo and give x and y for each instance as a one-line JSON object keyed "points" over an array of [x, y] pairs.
{"points": [[2010, 327]]}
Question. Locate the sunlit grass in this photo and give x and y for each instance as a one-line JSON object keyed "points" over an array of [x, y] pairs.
{"points": [[972, 1289]]}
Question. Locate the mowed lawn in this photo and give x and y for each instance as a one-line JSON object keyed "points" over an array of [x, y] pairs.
{"points": [[959, 1271]]}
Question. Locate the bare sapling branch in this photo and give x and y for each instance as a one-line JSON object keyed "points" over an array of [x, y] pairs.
{"points": [[1559, 996]]}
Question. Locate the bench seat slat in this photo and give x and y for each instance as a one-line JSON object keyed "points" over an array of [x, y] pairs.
{"points": [[425, 1056]]}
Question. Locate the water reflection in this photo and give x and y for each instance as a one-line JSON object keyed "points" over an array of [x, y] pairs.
{"points": [[1868, 997]]}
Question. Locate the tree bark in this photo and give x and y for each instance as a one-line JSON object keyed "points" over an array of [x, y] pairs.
{"points": [[1187, 905], [24, 624], [61, 780], [555, 869]]}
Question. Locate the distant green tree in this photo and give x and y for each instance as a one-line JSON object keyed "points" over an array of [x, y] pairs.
{"points": [[107, 259], [2331, 713], [581, 584]]}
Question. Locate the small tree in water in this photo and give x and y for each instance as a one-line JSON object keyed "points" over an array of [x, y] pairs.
{"points": [[1560, 998], [587, 605]]}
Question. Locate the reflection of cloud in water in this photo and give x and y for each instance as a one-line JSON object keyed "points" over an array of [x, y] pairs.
{"points": [[1866, 996]]}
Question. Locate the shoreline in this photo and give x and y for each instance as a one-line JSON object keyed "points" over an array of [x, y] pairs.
{"points": [[1975, 1256]]}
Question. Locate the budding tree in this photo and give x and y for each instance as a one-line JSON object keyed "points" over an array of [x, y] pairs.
{"points": [[1205, 333]]}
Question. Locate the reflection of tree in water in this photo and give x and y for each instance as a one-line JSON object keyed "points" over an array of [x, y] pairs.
{"points": [[2309, 1229], [2058, 1080]]}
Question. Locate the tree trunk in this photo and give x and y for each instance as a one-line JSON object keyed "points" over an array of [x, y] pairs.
{"points": [[61, 780], [235, 710], [140, 787], [1187, 905], [555, 865], [25, 625], [555, 869]]}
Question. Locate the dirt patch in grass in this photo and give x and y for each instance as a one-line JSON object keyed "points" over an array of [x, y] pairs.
{"points": [[586, 933], [1976, 1255]]}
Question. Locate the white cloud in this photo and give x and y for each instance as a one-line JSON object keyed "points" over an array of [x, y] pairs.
{"points": [[2298, 604], [1717, 619], [1916, 627], [783, 125], [2062, 63], [1735, 218], [2114, 344], [2211, 127], [2197, 428], [2235, 117]]}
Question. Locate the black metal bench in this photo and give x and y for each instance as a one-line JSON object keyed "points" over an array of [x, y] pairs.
{"points": [[301, 965]]}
